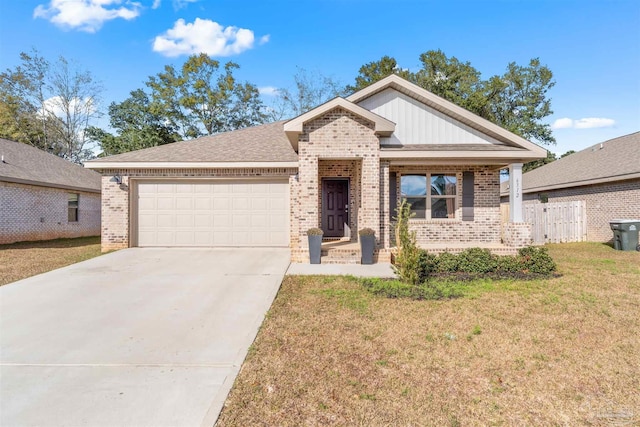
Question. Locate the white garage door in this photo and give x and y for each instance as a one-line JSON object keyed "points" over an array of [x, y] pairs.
{"points": [[213, 213]]}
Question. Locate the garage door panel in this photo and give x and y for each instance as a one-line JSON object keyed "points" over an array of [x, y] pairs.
{"points": [[213, 213], [165, 203]]}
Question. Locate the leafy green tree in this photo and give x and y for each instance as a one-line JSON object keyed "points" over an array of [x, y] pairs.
{"points": [[201, 99], [516, 100], [49, 105], [137, 126], [551, 157], [377, 70], [568, 153]]}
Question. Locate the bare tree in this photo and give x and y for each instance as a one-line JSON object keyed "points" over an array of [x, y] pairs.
{"points": [[61, 98]]}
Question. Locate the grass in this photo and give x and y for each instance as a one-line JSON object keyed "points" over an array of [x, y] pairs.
{"points": [[562, 351], [26, 259]]}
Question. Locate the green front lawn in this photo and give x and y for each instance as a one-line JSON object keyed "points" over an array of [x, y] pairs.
{"points": [[561, 351]]}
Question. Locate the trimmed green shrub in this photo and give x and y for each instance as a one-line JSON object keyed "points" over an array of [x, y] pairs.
{"points": [[536, 260], [509, 265], [446, 263], [407, 258], [476, 260]]}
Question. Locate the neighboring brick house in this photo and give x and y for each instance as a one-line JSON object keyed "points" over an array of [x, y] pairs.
{"points": [[44, 197], [605, 176], [343, 166]]}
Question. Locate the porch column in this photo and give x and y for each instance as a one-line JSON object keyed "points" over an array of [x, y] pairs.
{"points": [[515, 192]]}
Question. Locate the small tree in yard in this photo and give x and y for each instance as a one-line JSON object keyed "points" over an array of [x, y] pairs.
{"points": [[407, 258]]}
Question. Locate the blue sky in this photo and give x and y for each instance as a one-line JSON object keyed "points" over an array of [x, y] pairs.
{"points": [[592, 47]]}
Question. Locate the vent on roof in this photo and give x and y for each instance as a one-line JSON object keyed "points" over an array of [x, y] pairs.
{"points": [[3, 159]]}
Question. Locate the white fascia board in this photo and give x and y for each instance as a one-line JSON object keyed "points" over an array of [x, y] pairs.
{"points": [[382, 126], [188, 165]]}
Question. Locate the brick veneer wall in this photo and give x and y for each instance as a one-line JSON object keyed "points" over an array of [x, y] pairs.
{"points": [[338, 135], [486, 225], [29, 212], [603, 202], [116, 198]]}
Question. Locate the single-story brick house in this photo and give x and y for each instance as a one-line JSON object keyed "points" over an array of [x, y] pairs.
{"points": [[45, 197], [605, 176], [342, 166]]}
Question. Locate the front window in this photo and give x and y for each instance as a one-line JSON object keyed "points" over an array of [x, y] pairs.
{"points": [[73, 207], [437, 201]]}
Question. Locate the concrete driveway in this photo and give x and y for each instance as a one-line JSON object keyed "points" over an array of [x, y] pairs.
{"points": [[144, 337]]}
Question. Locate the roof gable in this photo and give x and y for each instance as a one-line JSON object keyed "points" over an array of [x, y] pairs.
{"points": [[294, 127], [448, 109], [25, 164], [418, 123]]}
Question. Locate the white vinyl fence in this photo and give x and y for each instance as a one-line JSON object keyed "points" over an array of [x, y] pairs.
{"points": [[557, 222]]}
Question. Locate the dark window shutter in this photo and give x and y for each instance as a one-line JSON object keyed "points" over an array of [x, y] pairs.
{"points": [[393, 194], [467, 196]]}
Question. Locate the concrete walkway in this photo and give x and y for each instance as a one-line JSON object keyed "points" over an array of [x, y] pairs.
{"points": [[139, 337], [381, 269]]}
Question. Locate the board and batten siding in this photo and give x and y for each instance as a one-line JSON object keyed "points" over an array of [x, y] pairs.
{"points": [[417, 123]]}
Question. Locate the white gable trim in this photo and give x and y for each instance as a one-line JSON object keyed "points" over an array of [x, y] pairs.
{"points": [[447, 108], [294, 127]]}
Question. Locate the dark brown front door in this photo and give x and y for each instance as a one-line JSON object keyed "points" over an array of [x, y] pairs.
{"points": [[335, 207]]}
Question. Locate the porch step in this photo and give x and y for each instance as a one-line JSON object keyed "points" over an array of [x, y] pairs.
{"points": [[340, 256]]}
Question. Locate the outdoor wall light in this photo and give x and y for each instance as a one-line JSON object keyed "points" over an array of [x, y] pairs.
{"points": [[116, 178]]}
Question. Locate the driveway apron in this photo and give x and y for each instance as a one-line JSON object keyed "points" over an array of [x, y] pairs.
{"points": [[144, 337]]}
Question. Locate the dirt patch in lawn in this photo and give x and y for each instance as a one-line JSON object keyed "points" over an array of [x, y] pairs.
{"points": [[562, 351], [26, 259]]}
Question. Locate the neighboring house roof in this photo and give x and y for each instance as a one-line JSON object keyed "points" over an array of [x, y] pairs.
{"points": [[613, 160], [24, 164], [264, 145]]}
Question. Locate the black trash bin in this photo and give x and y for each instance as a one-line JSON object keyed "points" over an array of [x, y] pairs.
{"points": [[625, 234]]}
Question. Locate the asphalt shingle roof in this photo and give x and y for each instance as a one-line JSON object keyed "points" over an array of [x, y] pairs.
{"points": [[26, 164], [617, 158], [264, 143]]}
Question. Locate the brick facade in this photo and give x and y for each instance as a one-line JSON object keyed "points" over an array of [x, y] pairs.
{"points": [[339, 144], [29, 212], [486, 224], [116, 198], [603, 202]]}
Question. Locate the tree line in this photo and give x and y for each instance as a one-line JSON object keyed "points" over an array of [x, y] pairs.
{"points": [[54, 105]]}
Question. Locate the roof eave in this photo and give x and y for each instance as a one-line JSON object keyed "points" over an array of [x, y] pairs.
{"points": [[48, 184], [188, 165]]}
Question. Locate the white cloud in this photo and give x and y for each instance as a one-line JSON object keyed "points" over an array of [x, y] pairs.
{"points": [[156, 4], [203, 36], [179, 4], [268, 90], [265, 39], [594, 122], [586, 123], [86, 15], [563, 123]]}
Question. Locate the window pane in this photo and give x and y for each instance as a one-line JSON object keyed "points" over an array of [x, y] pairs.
{"points": [[443, 207], [73, 207], [413, 185], [418, 206], [443, 185]]}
